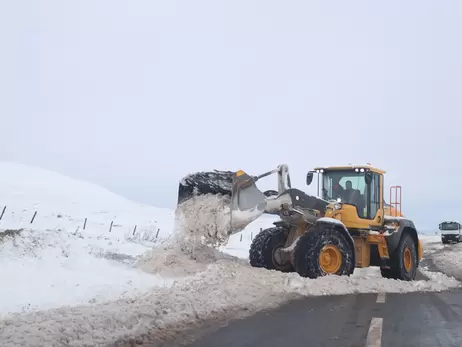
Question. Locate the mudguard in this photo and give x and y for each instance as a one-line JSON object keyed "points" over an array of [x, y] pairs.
{"points": [[394, 238]]}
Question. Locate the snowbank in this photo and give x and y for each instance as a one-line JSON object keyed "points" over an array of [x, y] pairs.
{"points": [[48, 269], [447, 258], [226, 287]]}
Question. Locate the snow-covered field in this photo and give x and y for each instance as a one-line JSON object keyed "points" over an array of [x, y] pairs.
{"points": [[63, 285]]}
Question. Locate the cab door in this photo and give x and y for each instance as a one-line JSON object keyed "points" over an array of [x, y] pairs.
{"points": [[373, 212]]}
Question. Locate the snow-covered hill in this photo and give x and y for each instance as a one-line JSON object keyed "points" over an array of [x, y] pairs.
{"points": [[54, 261], [25, 189], [124, 283]]}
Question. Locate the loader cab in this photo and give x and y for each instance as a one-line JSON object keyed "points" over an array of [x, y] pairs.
{"points": [[356, 193]]}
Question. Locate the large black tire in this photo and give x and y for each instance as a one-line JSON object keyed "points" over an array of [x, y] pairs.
{"points": [[400, 269], [323, 239], [263, 247]]}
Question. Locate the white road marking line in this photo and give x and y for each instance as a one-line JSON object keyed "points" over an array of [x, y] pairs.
{"points": [[381, 298], [374, 336]]}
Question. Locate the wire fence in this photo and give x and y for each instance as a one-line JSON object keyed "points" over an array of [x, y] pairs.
{"points": [[15, 220], [133, 232]]}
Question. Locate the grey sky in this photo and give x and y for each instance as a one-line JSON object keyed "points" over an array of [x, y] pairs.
{"points": [[135, 94]]}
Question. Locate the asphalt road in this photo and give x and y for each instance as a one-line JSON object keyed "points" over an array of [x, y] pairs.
{"points": [[364, 320]]}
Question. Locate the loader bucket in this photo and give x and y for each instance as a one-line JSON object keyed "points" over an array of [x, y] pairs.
{"points": [[247, 202], [203, 183]]}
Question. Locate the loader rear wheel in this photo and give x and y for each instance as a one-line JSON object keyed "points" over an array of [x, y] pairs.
{"points": [[403, 262], [264, 250], [323, 251]]}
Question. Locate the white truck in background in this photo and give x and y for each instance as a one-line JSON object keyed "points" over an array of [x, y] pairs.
{"points": [[450, 231]]}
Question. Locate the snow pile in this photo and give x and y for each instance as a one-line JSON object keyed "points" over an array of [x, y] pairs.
{"points": [[203, 219], [227, 288], [207, 220], [47, 269], [447, 258], [202, 225]]}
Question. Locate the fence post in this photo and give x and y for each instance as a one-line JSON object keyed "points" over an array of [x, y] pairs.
{"points": [[1, 216], [85, 224], [33, 217], [157, 234], [241, 238], [134, 230], [110, 228]]}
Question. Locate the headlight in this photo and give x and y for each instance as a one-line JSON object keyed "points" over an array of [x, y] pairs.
{"points": [[338, 206]]}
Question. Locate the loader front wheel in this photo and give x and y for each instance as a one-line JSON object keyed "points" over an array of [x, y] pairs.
{"points": [[323, 251], [403, 262], [264, 250]]}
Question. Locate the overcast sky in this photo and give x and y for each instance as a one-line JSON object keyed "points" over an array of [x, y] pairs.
{"points": [[133, 95]]}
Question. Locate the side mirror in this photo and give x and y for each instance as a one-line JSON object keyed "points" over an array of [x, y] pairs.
{"points": [[368, 177], [309, 178]]}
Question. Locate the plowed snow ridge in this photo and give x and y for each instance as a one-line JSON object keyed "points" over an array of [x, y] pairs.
{"points": [[445, 256], [224, 287]]}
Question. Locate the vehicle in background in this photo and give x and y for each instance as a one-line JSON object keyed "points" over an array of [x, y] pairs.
{"points": [[450, 231]]}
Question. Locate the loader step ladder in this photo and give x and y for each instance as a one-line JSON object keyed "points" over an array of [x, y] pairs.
{"points": [[396, 203]]}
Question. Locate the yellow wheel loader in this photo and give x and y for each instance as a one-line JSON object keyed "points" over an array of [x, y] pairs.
{"points": [[347, 225]]}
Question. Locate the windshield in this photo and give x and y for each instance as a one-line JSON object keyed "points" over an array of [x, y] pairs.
{"points": [[348, 186], [343, 184], [449, 226]]}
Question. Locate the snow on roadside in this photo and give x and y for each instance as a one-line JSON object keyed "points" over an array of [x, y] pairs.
{"points": [[226, 286], [44, 269], [218, 286], [431, 244], [448, 259]]}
